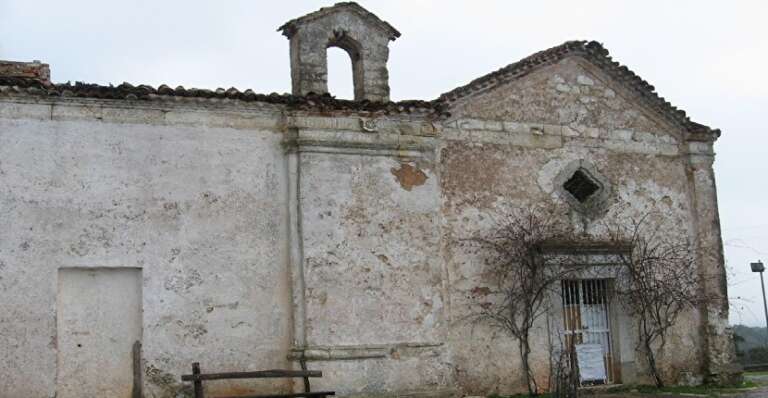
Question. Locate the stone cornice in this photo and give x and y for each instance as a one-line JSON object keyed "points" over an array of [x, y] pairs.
{"points": [[358, 143], [550, 136]]}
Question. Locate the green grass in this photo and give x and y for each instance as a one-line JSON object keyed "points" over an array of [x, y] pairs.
{"points": [[707, 390]]}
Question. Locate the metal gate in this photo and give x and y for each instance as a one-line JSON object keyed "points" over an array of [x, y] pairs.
{"points": [[587, 330]]}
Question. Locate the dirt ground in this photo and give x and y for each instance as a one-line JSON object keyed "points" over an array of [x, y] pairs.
{"points": [[761, 392]]}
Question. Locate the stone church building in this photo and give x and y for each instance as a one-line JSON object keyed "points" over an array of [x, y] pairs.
{"points": [[245, 231]]}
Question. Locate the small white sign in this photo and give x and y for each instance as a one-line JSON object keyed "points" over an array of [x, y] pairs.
{"points": [[591, 362]]}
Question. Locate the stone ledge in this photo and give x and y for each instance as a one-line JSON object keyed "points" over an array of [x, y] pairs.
{"points": [[122, 112], [468, 125], [355, 143], [357, 352], [418, 126]]}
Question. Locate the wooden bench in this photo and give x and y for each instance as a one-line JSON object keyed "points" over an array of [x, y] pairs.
{"points": [[197, 379]]}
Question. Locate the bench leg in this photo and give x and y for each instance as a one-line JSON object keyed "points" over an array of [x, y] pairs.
{"points": [[197, 383], [303, 363]]}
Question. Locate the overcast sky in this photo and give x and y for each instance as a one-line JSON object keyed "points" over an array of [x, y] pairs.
{"points": [[707, 57]]}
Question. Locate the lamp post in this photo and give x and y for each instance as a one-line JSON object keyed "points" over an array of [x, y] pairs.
{"points": [[759, 267]]}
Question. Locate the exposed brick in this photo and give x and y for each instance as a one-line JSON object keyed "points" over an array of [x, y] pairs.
{"points": [[31, 70]]}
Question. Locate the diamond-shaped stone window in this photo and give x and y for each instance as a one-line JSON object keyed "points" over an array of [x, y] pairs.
{"points": [[582, 186]]}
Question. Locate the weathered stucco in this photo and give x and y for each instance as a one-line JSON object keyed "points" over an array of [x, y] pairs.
{"points": [[264, 233], [199, 209]]}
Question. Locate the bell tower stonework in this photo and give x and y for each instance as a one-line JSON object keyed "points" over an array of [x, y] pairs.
{"points": [[352, 28]]}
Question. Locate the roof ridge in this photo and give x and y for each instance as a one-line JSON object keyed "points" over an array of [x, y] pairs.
{"points": [[594, 52]]}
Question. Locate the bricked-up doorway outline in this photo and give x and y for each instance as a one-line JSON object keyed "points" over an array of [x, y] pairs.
{"points": [[98, 321]]}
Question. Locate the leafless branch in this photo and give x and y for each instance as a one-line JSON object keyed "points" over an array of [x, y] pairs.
{"points": [[523, 275], [657, 283]]}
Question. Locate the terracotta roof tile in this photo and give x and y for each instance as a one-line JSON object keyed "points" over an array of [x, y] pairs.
{"points": [[143, 92]]}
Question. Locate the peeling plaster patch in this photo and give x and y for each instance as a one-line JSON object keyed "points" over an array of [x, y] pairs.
{"points": [[174, 254], [479, 291], [409, 176], [322, 298], [195, 331], [171, 206], [384, 259], [167, 383], [92, 238], [180, 282], [231, 306], [159, 377], [241, 323], [210, 197]]}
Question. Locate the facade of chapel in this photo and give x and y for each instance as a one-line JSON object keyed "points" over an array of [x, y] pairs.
{"points": [[246, 231]]}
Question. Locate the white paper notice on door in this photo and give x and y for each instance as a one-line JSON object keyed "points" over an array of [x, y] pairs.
{"points": [[591, 362]]}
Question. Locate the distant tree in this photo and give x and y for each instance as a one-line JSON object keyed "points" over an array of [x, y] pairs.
{"points": [[737, 338], [738, 341], [750, 337]]}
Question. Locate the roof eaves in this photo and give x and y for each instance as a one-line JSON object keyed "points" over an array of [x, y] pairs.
{"points": [[127, 91]]}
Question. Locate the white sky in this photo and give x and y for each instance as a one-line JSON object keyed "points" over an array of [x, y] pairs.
{"points": [[707, 57]]}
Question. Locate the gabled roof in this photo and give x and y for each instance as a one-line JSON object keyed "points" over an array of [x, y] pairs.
{"points": [[290, 27], [596, 54], [592, 51]]}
